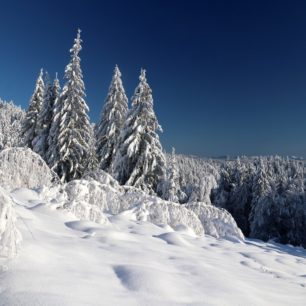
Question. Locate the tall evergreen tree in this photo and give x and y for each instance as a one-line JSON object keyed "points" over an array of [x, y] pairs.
{"points": [[44, 120], [92, 161], [52, 153], [140, 161], [171, 187], [111, 122], [74, 126], [30, 123]]}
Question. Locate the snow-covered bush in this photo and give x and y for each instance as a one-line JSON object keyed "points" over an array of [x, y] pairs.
{"points": [[11, 121], [21, 167], [103, 178], [216, 222], [160, 212], [86, 198], [9, 234], [105, 197]]}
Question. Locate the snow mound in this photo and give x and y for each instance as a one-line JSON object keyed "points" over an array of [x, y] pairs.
{"points": [[216, 222], [174, 238], [9, 235], [21, 167]]}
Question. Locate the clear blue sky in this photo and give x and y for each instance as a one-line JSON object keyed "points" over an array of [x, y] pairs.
{"points": [[228, 77]]}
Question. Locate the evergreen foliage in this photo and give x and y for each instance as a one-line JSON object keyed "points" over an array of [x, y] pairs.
{"points": [[140, 161], [111, 122], [30, 127], [74, 126]]}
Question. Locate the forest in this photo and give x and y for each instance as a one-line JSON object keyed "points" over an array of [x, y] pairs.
{"points": [[264, 194]]}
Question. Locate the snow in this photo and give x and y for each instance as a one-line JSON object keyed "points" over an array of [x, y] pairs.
{"points": [[127, 261]]}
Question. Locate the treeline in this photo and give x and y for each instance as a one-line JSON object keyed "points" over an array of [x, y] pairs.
{"points": [[266, 196]]}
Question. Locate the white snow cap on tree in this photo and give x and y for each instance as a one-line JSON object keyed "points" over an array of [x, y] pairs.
{"points": [[36, 101], [140, 161], [111, 121], [74, 125]]}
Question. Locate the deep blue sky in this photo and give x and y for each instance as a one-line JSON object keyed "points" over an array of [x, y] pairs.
{"points": [[228, 77]]}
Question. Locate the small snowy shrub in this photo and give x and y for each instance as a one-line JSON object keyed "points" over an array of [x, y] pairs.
{"points": [[21, 167], [103, 178], [160, 212], [216, 222]]}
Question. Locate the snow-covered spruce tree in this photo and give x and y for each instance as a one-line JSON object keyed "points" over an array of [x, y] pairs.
{"points": [[139, 160], [52, 153], [74, 125], [111, 122], [92, 161], [44, 120], [171, 185], [30, 122]]}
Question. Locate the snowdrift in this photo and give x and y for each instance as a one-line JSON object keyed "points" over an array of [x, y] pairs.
{"points": [[9, 235], [21, 167]]}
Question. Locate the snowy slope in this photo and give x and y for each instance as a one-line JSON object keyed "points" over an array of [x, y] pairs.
{"points": [[63, 261]]}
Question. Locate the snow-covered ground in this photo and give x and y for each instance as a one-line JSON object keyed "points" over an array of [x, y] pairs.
{"points": [[63, 261]]}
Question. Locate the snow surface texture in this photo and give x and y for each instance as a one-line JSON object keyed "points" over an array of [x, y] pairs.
{"points": [[63, 261], [9, 235], [21, 167]]}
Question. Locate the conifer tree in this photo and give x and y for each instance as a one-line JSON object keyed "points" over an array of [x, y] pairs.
{"points": [[30, 123], [74, 126], [92, 161], [111, 122], [171, 185], [52, 153], [140, 161], [40, 142]]}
